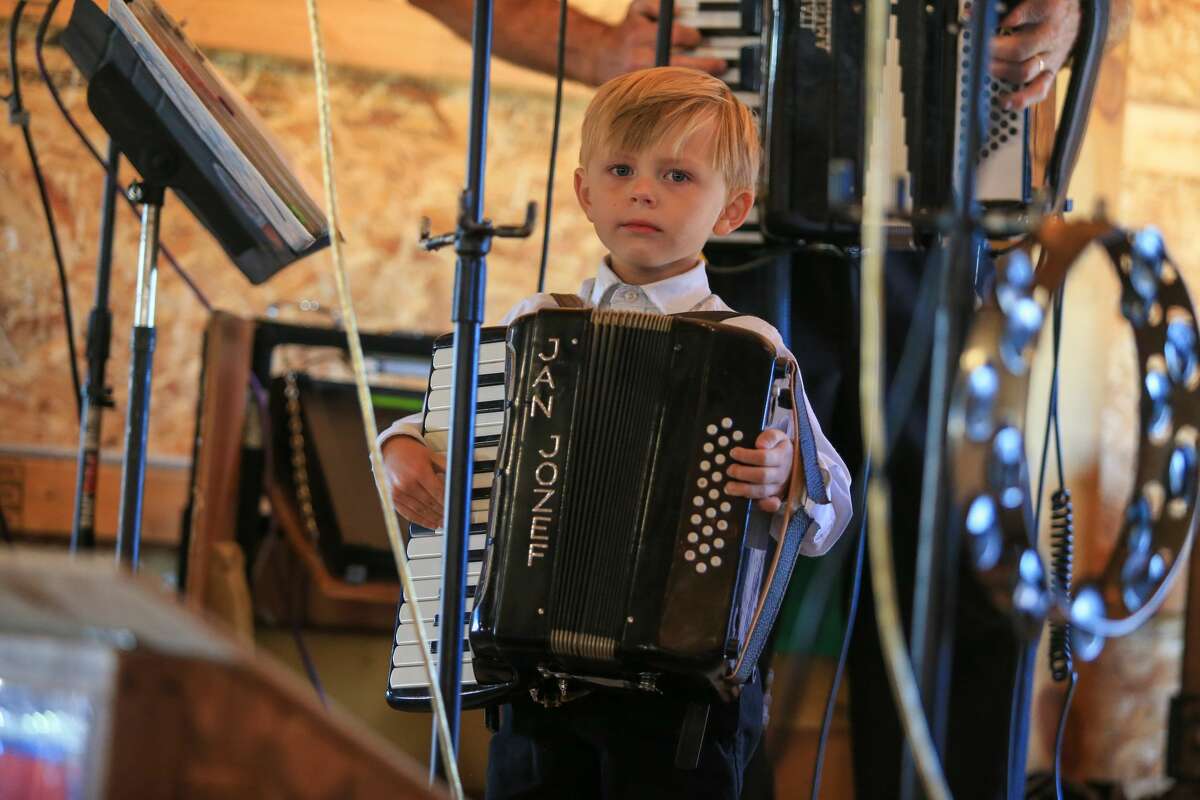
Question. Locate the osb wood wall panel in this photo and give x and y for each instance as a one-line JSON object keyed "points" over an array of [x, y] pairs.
{"points": [[1117, 728], [400, 154]]}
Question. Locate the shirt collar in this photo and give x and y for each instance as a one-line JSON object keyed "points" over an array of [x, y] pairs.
{"points": [[674, 295]]}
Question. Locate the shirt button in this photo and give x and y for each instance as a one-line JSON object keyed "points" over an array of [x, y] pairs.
{"points": [[629, 294]]}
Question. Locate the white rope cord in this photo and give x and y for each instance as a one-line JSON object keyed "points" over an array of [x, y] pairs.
{"points": [[364, 399], [887, 606]]}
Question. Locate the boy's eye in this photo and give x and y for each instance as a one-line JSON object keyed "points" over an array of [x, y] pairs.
{"points": [[677, 176], [621, 170]]}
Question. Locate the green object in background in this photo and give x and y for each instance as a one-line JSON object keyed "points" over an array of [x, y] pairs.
{"points": [[833, 618], [397, 402]]}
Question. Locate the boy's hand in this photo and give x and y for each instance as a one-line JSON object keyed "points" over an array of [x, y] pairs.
{"points": [[417, 478], [764, 471]]}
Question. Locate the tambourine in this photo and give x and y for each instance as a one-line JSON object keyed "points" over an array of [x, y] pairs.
{"points": [[986, 439]]}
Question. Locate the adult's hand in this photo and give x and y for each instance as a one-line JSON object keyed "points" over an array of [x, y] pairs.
{"points": [[631, 44], [1037, 40]]}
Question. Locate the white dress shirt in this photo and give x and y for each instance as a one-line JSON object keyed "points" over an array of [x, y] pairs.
{"points": [[689, 291]]}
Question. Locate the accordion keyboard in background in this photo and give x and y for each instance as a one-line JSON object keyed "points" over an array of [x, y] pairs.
{"points": [[798, 65], [407, 687]]}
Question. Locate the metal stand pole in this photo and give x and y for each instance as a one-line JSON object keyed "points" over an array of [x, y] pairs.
{"points": [[936, 584], [133, 472], [472, 244], [666, 21], [96, 395]]}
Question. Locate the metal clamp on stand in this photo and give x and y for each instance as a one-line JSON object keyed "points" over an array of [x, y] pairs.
{"points": [[137, 419]]}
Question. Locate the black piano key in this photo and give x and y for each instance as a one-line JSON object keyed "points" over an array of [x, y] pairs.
{"points": [[750, 69]]}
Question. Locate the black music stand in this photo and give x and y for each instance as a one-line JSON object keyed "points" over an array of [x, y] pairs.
{"points": [[136, 102]]}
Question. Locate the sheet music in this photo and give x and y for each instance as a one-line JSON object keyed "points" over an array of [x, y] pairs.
{"points": [[249, 159]]}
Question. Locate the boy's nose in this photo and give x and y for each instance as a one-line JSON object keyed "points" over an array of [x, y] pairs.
{"points": [[642, 193]]}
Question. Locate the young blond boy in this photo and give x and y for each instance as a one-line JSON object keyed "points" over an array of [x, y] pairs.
{"points": [[669, 157]]}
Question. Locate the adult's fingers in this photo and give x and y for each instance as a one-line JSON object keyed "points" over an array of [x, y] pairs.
{"points": [[684, 36], [753, 490], [1027, 13], [713, 66], [1021, 72], [1023, 44], [741, 473], [1031, 94]]}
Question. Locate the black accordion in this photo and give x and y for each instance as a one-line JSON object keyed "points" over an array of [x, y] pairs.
{"points": [[798, 64], [611, 555]]}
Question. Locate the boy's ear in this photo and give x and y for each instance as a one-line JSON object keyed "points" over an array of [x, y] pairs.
{"points": [[581, 192], [734, 213]]}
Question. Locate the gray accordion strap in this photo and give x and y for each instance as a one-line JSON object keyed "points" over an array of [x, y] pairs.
{"points": [[790, 541]]}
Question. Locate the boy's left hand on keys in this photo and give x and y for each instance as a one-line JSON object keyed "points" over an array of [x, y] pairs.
{"points": [[763, 471]]}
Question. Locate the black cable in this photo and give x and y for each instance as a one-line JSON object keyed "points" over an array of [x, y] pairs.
{"points": [[558, 90], [754, 263], [852, 614], [19, 116], [39, 42]]}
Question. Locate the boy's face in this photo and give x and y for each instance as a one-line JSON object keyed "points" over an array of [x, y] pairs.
{"points": [[655, 209]]}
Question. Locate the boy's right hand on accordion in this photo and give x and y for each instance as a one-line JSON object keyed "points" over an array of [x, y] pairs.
{"points": [[762, 472], [416, 477]]}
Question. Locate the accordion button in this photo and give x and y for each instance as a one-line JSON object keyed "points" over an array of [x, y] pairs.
{"points": [[718, 543], [708, 448], [704, 548], [713, 494], [693, 538], [697, 501], [722, 524], [719, 459], [725, 507], [689, 555], [726, 423], [702, 482], [707, 530], [717, 477], [711, 429], [701, 567], [696, 518], [705, 466], [715, 561], [710, 513], [737, 436], [723, 441]]}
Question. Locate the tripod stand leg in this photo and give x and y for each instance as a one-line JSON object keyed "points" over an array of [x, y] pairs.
{"points": [[133, 472]]}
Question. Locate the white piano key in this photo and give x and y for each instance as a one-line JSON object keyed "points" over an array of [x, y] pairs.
{"points": [[429, 610], [409, 655], [726, 47], [406, 633], [444, 378], [432, 568], [489, 353], [487, 424], [421, 547], [414, 677], [708, 20], [442, 398]]}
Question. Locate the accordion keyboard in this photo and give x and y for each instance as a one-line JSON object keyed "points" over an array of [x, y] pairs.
{"points": [[425, 546]]}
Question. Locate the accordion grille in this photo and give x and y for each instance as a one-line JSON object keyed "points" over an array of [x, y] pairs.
{"points": [[610, 467]]}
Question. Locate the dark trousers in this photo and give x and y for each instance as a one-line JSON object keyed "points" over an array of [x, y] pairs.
{"points": [[822, 329], [620, 746]]}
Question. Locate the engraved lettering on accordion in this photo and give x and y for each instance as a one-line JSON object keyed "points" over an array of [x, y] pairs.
{"points": [[546, 473], [542, 513], [546, 404], [817, 17]]}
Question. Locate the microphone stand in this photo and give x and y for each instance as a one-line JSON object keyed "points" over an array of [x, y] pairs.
{"points": [[96, 395], [137, 420], [472, 240], [936, 583]]}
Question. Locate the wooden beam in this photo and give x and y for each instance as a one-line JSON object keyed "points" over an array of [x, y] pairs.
{"points": [[388, 36], [37, 496]]}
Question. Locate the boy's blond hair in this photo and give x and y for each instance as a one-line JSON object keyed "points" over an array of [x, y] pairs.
{"points": [[639, 109]]}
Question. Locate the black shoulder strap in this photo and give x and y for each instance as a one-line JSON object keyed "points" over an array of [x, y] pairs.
{"points": [[709, 316], [568, 300]]}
